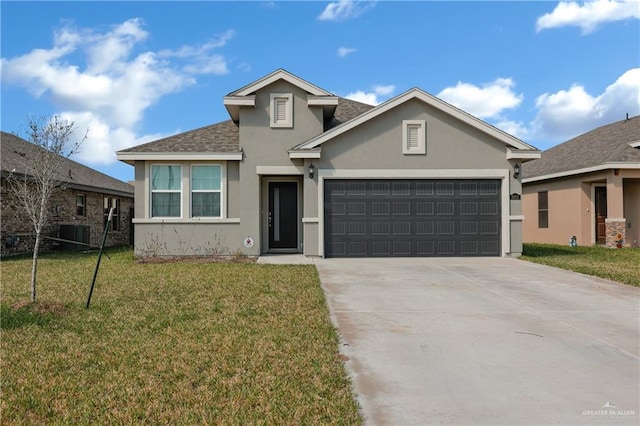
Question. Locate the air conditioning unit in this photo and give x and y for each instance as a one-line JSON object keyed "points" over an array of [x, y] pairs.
{"points": [[79, 233]]}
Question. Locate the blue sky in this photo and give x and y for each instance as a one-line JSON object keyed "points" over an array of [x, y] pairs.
{"points": [[132, 72]]}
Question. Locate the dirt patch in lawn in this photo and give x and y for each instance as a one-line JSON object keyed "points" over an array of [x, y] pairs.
{"points": [[39, 307]]}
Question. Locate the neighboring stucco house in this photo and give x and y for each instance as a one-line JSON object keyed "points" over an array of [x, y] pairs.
{"points": [[77, 207], [299, 170], [587, 187]]}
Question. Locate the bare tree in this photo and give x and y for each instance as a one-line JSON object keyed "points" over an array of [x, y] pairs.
{"points": [[41, 175]]}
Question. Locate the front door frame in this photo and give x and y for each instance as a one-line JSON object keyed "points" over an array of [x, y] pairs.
{"points": [[265, 214], [594, 221]]}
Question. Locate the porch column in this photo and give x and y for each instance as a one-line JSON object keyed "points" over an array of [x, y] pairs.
{"points": [[616, 223]]}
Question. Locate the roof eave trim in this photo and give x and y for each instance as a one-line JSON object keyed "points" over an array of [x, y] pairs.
{"points": [[240, 100], [179, 156], [233, 104], [634, 144], [523, 155], [305, 154], [416, 93], [322, 100], [600, 167], [91, 188]]}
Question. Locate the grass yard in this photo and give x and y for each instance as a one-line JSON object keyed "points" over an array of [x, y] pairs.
{"points": [[622, 265], [169, 343]]}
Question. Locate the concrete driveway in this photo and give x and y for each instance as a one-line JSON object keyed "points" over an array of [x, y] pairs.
{"points": [[485, 341]]}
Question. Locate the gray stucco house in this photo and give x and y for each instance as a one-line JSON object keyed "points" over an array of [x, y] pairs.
{"points": [[298, 169]]}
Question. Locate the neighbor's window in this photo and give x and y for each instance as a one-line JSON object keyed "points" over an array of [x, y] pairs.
{"points": [[281, 107], [81, 205], [543, 209], [166, 190], [115, 219], [413, 137], [206, 191]]}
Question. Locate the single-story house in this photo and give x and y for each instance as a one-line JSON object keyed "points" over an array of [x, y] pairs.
{"points": [[297, 169], [78, 207], [587, 188]]}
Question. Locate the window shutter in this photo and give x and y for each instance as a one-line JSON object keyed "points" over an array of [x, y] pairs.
{"points": [[413, 137], [281, 110]]}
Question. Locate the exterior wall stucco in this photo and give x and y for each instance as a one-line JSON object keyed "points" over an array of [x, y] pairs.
{"points": [[569, 214], [266, 146], [377, 144], [632, 210]]}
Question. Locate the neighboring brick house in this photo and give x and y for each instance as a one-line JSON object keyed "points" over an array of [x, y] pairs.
{"points": [[77, 208]]}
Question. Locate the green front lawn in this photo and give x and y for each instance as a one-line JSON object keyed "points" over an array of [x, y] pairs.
{"points": [[622, 265], [169, 343]]}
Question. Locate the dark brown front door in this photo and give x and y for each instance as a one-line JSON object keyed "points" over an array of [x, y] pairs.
{"points": [[283, 215], [601, 213]]}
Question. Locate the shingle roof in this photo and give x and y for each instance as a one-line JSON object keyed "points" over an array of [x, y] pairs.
{"points": [[221, 137], [15, 151], [606, 144], [224, 137], [347, 110]]}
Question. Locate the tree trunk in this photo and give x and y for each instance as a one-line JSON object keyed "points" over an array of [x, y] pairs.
{"points": [[34, 267]]}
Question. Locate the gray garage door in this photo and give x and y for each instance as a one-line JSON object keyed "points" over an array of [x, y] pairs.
{"points": [[369, 218]]}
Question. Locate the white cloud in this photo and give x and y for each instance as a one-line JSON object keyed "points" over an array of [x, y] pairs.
{"points": [[189, 51], [244, 67], [514, 128], [103, 140], [568, 113], [588, 15], [487, 101], [372, 97], [384, 90], [202, 61], [345, 9], [117, 84], [344, 51]]}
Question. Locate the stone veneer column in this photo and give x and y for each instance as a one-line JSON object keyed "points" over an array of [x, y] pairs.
{"points": [[613, 228]]}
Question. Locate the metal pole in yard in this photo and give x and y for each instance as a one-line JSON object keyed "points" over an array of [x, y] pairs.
{"points": [[104, 240]]}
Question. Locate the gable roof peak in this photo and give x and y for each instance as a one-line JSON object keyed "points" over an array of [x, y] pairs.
{"points": [[280, 74], [416, 93]]}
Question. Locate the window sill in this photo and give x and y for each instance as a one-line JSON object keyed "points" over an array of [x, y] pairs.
{"points": [[187, 221]]}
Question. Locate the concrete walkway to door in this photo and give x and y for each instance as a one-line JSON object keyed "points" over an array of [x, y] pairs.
{"points": [[493, 341]]}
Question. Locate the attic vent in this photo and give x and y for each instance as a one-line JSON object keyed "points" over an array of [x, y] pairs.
{"points": [[281, 110], [414, 137]]}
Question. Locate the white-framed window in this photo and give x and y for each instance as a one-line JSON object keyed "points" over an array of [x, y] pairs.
{"points": [[414, 137], [281, 109], [206, 190], [166, 190]]}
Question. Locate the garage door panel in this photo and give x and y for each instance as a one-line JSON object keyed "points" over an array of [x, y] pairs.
{"points": [[412, 218]]}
